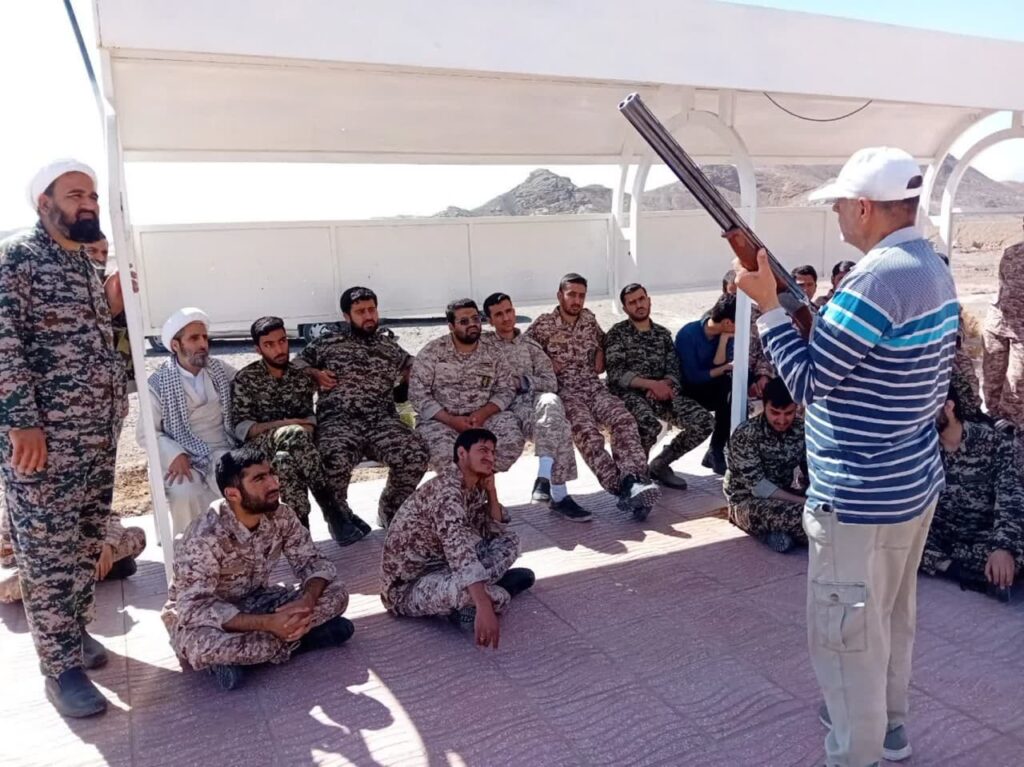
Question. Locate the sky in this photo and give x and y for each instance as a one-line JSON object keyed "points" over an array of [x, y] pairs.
{"points": [[50, 112]]}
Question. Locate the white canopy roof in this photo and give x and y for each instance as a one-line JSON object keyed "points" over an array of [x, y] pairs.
{"points": [[526, 82]]}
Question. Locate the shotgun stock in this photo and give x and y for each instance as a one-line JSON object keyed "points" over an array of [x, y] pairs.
{"points": [[741, 237]]}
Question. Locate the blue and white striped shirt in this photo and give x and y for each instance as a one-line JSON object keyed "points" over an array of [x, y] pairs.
{"points": [[873, 376]]}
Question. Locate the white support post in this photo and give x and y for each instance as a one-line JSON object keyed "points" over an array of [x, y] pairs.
{"points": [[124, 252]]}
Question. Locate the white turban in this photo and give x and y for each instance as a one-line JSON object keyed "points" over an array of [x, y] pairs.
{"points": [[50, 173], [177, 321]]}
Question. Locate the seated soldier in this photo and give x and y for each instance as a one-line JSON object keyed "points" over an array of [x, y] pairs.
{"points": [[767, 475], [643, 371], [538, 408], [121, 547], [222, 614], [457, 383], [977, 534], [448, 551], [272, 408]]}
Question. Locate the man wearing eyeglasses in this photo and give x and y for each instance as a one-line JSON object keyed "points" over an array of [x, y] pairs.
{"points": [[457, 384]]}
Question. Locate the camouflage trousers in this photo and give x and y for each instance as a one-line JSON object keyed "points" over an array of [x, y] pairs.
{"points": [[440, 440], [440, 592], [971, 552], [760, 516], [58, 519], [589, 410], [542, 420], [203, 646], [693, 421], [294, 455], [131, 543], [1002, 373], [343, 443]]}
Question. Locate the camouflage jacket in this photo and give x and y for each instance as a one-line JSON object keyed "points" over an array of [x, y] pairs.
{"points": [[437, 528], [629, 353], [984, 489], [757, 362], [368, 369], [529, 363], [219, 562], [964, 380], [762, 460], [58, 364], [259, 397], [444, 379], [1006, 317], [571, 348]]}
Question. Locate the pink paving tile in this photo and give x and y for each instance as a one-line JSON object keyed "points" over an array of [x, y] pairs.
{"points": [[796, 740], [1003, 751], [937, 731]]}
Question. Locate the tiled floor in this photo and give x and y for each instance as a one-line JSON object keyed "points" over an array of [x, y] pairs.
{"points": [[676, 642]]}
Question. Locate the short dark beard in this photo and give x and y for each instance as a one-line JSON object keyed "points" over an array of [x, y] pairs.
{"points": [[85, 231], [358, 331], [276, 365], [254, 506]]}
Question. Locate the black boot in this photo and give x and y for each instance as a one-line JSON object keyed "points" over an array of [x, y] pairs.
{"points": [[74, 695], [121, 569], [661, 472], [94, 655], [517, 580], [332, 633], [341, 527], [228, 677]]}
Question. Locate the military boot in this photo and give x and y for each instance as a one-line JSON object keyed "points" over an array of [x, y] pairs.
{"points": [[661, 472], [74, 695]]}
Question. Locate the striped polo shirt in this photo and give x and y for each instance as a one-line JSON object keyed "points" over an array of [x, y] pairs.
{"points": [[873, 376]]}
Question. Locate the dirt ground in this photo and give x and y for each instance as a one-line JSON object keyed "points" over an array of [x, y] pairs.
{"points": [[978, 245]]}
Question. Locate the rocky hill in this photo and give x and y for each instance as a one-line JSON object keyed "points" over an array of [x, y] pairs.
{"points": [[545, 193]]}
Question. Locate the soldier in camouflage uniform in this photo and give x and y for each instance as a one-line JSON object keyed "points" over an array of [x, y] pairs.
{"points": [[449, 551], [977, 534], [643, 370], [767, 475], [222, 613], [457, 383], [537, 407], [362, 371], [272, 408], [574, 342], [1002, 367], [62, 398], [964, 378]]}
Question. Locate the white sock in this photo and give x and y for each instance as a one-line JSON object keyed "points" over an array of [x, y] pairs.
{"points": [[559, 493], [546, 464]]}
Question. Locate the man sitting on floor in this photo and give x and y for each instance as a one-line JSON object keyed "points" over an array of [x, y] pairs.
{"points": [[448, 551], [222, 614], [767, 474], [977, 534]]}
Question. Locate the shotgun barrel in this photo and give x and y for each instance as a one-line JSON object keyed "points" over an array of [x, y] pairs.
{"points": [[741, 237]]}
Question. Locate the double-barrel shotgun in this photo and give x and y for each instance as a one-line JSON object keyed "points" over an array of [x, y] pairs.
{"points": [[741, 237]]}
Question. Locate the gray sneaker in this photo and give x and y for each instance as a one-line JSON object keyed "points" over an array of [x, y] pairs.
{"points": [[896, 747]]}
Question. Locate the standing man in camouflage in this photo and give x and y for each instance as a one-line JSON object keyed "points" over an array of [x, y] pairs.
{"points": [[767, 476], [1002, 367], [538, 408], [449, 551], [190, 398], [361, 371], [272, 408], [574, 342], [643, 371], [458, 383], [222, 614], [977, 534], [62, 399]]}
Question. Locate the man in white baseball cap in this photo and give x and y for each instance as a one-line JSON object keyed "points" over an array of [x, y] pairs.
{"points": [[872, 377], [190, 397], [62, 400]]}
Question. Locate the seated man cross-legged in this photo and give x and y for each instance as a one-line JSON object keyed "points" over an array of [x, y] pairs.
{"points": [[448, 551], [222, 614], [767, 474], [977, 533]]}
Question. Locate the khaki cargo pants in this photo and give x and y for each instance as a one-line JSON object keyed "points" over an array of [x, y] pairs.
{"points": [[861, 616]]}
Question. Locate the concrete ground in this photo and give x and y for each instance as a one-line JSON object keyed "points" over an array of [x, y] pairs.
{"points": [[676, 642]]}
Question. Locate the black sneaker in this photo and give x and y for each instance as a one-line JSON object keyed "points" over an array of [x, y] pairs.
{"points": [[228, 677], [571, 510], [541, 489], [121, 569], [998, 593], [662, 474], [779, 541], [94, 655], [517, 580], [332, 633], [463, 617], [638, 496], [74, 695]]}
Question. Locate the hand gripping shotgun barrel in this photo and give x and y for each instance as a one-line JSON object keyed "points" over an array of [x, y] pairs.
{"points": [[740, 236]]}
